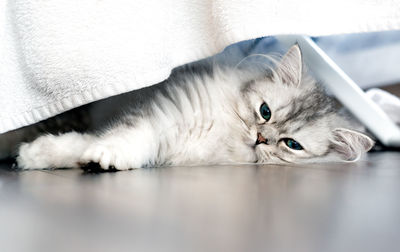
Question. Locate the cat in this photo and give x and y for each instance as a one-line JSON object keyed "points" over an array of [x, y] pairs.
{"points": [[216, 116]]}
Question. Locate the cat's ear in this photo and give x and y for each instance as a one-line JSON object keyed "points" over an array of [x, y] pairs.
{"points": [[290, 67], [350, 144]]}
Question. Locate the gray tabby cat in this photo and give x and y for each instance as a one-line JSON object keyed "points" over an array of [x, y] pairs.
{"points": [[219, 116]]}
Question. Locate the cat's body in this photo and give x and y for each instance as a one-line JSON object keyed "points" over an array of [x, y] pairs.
{"points": [[216, 116]]}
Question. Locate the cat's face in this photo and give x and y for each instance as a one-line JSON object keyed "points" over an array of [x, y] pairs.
{"points": [[292, 120]]}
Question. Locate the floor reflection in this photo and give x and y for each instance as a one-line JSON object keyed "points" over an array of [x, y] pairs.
{"points": [[318, 207]]}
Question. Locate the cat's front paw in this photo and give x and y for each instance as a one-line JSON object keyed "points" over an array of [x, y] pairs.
{"points": [[104, 158], [39, 154], [31, 156]]}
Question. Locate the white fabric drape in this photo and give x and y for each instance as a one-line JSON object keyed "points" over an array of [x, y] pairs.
{"points": [[57, 55]]}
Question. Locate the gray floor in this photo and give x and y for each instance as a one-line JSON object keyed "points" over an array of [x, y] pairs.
{"points": [[331, 207]]}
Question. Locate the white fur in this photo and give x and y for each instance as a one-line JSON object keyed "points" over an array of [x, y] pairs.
{"points": [[191, 136], [217, 121], [50, 151]]}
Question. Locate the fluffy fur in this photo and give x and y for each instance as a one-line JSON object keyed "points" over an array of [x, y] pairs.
{"points": [[211, 117]]}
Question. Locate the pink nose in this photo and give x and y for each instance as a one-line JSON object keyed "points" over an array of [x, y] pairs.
{"points": [[261, 139]]}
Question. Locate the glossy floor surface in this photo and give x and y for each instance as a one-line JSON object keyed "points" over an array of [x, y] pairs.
{"points": [[324, 207]]}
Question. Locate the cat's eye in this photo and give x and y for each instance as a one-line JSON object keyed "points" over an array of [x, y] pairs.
{"points": [[265, 111], [292, 144]]}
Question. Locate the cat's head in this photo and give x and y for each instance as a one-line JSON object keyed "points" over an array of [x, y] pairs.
{"points": [[291, 119]]}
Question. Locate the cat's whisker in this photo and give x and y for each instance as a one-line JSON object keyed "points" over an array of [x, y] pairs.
{"points": [[284, 160], [241, 120], [269, 57]]}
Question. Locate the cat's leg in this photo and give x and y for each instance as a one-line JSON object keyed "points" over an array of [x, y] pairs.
{"points": [[123, 148], [53, 151]]}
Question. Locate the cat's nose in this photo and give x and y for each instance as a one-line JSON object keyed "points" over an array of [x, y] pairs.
{"points": [[261, 139]]}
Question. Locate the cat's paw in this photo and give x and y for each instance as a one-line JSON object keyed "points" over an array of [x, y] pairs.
{"points": [[32, 156], [100, 157], [52, 151]]}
